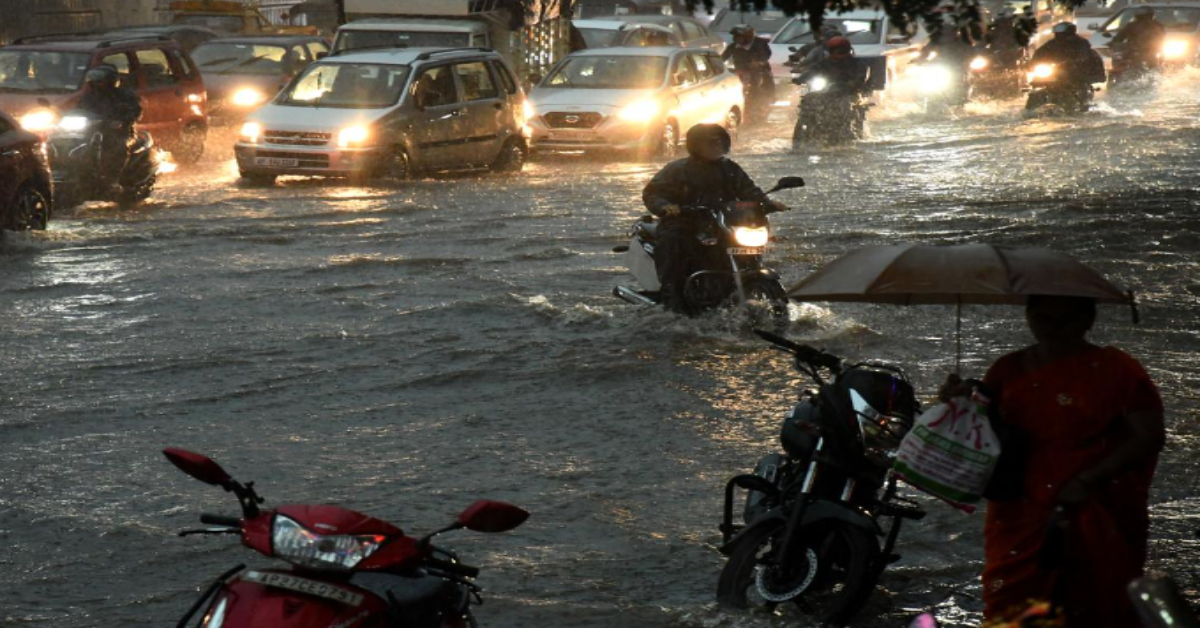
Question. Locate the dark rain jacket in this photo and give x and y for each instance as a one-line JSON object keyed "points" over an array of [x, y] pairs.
{"points": [[848, 76], [1003, 35], [693, 182], [753, 60], [119, 104], [1074, 56], [1143, 36]]}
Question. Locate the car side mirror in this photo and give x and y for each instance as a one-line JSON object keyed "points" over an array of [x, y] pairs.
{"points": [[793, 49], [322, 55], [1093, 27]]}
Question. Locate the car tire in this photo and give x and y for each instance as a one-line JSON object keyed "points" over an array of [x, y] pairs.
{"points": [[258, 178], [30, 210], [191, 145], [512, 157], [399, 166], [667, 143]]}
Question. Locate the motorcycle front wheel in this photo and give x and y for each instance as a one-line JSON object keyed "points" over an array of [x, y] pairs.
{"points": [[835, 576], [771, 297]]}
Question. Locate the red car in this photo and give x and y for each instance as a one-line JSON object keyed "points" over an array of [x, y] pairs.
{"points": [[49, 70], [25, 190]]}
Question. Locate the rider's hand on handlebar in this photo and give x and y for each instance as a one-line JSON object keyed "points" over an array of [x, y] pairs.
{"points": [[671, 210]]}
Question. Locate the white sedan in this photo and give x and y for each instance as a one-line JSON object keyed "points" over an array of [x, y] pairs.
{"points": [[631, 99]]}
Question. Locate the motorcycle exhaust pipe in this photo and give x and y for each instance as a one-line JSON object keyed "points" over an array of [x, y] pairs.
{"points": [[633, 296]]}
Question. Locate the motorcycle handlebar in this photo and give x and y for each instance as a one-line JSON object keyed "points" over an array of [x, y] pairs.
{"points": [[220, 520], [454, 568], [804, 353]]}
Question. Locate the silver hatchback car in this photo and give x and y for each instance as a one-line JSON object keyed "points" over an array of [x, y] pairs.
{"points": [[391, 113]]}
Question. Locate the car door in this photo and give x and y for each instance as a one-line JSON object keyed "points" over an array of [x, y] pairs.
{"points": [[11, 175], [715, 104], [164, 104], [439, 123], [486, 109], [691, 108]]}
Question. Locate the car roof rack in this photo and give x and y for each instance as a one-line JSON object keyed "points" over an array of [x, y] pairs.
{"points": [[425, 56], [96, 36]]}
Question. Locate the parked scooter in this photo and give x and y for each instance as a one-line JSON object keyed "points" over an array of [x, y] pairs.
{"points": [[732, 271], [77, 151], [1051, 88], [348, 569], [811, 519]]}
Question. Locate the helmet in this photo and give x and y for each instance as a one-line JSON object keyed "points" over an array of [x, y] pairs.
{"points": [[1143, 12], [701, 134], [1065, 28], [741, 29], [103, 75], [839, 45]]}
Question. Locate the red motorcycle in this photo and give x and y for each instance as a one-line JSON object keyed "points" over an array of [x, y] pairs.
{"points": [[348, 570]]}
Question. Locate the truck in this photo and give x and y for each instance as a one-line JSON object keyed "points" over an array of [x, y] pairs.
{"points": [[230, 17], [532, 35]]}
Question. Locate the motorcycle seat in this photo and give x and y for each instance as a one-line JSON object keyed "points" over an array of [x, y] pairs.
{"points": [[648, 230], [417, 598]]}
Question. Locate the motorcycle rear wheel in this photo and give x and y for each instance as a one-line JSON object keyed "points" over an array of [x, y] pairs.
{"points": [[837, 578]]}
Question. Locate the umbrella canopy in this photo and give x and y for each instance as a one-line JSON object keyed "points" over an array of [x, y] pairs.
{"points": [[910, 274]]}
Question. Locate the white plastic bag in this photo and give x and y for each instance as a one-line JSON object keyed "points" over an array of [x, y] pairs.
{"points": [[950, 452]]}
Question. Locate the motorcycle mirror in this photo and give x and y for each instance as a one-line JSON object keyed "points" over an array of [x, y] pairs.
{"points": [[197, 466], [488, 515], [788, 183], [924, 620]]}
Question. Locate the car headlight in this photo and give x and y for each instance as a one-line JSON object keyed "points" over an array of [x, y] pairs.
{"points": [[216, 617], [818, 84], [340, 552], [936, 78], [1042, 71], [751, 236], [528, 111], [73, 123], [39, 120], [353, 135], [1175, 48], [979, 64], [250, 133], [248, 97], [643, 111]]}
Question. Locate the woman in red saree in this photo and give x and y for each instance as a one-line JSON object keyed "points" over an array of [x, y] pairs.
{"points": [[1095, 426]]}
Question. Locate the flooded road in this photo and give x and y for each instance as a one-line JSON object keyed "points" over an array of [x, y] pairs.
{"points": [[403, 350]]}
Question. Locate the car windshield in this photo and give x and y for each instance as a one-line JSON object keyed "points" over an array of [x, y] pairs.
{"points": [[228, 58], [616, 72], [358, 40], [599, 37], [1179, 19], [764, 23], [222, 23], [348, 86], [859, 32], [38, 71]]}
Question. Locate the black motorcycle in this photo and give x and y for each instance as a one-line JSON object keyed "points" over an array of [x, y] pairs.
{"points": [[998, 73], [79, 149], [1133, 67], [811, 522], [731, 271], [1050, 87], [828, 114]]}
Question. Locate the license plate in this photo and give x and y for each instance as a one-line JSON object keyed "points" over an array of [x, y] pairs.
{"points": [[569, 135], [281, 162], [745, 250], [304, 585]]}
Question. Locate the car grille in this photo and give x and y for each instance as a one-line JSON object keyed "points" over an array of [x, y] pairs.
{"points": [[297, 138], [305, 160], [565, 120]]}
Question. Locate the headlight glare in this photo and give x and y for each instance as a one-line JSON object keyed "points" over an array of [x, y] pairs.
{"points": [[818, 84], [251, 131], [643, 111], [248, 97], [340, 552], [1042, 71], [936, 78], [350, 136], [751, 236], [528, 111], [979, 64], [1175, 48], [39, 120], [73, 123]]}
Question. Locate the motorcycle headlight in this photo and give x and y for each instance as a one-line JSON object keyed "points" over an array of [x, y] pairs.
{"points": [[340, 552], [818, 84], [1042, 71], [1175, 48], [643, 111], [354, 135], [73, 123], [752, 236], [248, 97], [936, 78], [979, 64], [251, 131], [39, 120]]}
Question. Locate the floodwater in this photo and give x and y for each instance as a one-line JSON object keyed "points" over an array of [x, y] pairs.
{"points": [[404, 350]]}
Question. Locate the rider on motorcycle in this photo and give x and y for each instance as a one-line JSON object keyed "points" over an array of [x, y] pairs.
{"points": [[1073, 56], [118, 108], [752, 61], [813, 52], [949, 44], [847, 78], [1141, 37], [1006, 41], [706, 178]]}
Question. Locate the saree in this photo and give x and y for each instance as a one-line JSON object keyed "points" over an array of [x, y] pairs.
{"points": [[1071, 409]]}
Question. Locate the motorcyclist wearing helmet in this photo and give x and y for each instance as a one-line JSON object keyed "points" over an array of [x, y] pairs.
{"points": [[948, 43], [1005, 40], [813, 52], [847, 80], [118, 108], [1142, 37], [706, 178], [751, 57], [1072, 55]]}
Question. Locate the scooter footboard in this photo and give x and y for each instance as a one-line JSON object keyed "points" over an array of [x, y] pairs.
{"points": [[271, 598]]}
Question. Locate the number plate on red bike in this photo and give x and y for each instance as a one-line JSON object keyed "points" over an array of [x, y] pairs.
{"points": [[303, 585], [745, 250]]}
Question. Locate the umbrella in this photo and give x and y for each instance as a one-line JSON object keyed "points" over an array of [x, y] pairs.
{"points": [[911, 274]]}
